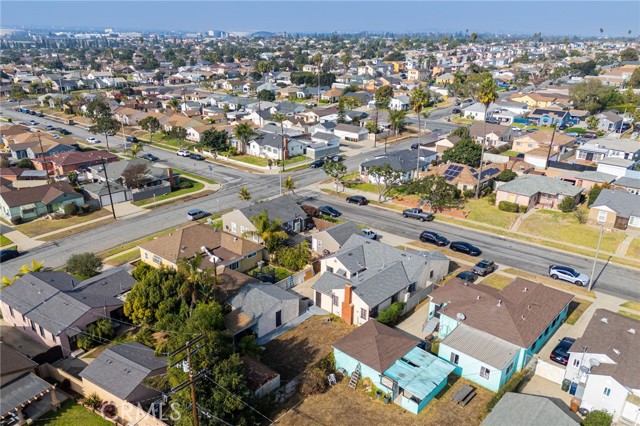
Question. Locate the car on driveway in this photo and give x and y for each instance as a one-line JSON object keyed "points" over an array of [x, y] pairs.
{"points": [[433, 238], [195, 214], [466, 248], [368, 233], [8, 255], [183, 153], [360, 200], [317, 164], [197, 157], [565, 273], [149, 157], [92, 140], [484, 267], [467, 276], [329, 211], [561, 352]]}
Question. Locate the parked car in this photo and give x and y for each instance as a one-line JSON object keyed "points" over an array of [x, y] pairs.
{"points": [[568, 274], [433, 238], [183, 153], [562, 127], [329, 211], [415, 145], [335, 158], [467, 276], [625, 127], [8, 255], [63, 131], [92, 140], [33, 123], [196, 157], [484, 267], [55, 136], [368, 233], [132, 139], [40, 115], [149, 157], [590, 135], [560, 353], [317, 164], [456, 111], [419, 214], [33, 113], [572, 134], [465, 248], [49, 127], [357, 199], [196, 214]]}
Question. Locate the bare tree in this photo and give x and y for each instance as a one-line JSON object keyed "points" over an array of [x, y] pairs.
{"points": [[136, 175]]}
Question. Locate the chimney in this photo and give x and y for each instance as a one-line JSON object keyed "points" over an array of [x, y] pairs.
{"points": [[347, 305], [171, 178]]}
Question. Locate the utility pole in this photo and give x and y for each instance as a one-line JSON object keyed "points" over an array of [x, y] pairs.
{"points": [[193, 387], [595, 259], [44, 159], [546, 164], [192, 379], [106, 178]]}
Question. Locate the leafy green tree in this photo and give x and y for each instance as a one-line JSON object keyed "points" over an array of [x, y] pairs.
{"points": [[507, 175], [293, 258], [486, 94], [266, 95], [199, 283], [521, 80], [593, 96], [341, 111], [244, 134], [629, 54], [350, 102], [174, 104], [386, 179], [568, 204], [435, 192], [465, 152], [346, 59], [179, 133], [597, 418], [215, 139], [26, 163], [244, 194], [154, 296], [336, 170], [103, 122], [98, 333], [397, 121], [594, 193], [18, 93], [592, 122], [270, 231], [383, 96], [84, 265], [151, 125], [462, 132], [634, 80]]}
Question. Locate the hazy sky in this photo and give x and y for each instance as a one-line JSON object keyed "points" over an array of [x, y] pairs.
{"points": [[573, 17]]}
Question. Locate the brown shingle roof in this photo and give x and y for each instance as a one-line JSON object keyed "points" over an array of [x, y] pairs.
{"points": [[43, 193], [477, 129], [519, 313], [80, 157], [614, 339], [376, 345]]}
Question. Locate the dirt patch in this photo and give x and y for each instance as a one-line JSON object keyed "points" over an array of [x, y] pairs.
{"points": [[43, 225], [301, 347]]}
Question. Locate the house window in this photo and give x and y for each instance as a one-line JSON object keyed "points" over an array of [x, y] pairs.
{"points": [[233, 227], [250, 255], [576, 362], [484, 372], [363, 313], [509, 368], [329, 269], [602, 216], [156, 259], [41, 330], [146, 256], [634, 221], [411, 288], [242, 229], [278, 318], [11, 312], [335, 299], [454, 358], [606, 391], [233, 266]]}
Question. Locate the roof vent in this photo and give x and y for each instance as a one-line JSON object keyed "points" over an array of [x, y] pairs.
{"points": [[605, 320], [594, 362], [478, 297], [523, 318], [499, 303], [616, 351], [460, 316], [525, 290], [632, 330]]}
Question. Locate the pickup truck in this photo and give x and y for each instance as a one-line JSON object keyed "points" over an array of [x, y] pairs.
{"points": [[418, 214]]}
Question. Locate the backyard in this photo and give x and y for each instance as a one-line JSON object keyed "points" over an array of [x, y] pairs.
{"points": [[44, 226], [72, 414], [565, 227], [342, 405]]}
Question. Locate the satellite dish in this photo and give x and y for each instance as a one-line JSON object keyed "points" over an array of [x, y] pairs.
{"points": [[594, 362], [461, 316]]}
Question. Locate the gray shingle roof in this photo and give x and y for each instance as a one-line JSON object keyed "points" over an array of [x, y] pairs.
{"points": [[529, 410], [532, 184], [404, 160], [625, 145], [281, 208], [628, 182], [21, 390], [342, 232], [121, 369], [623, 203], [482, 346], [254, 300]]}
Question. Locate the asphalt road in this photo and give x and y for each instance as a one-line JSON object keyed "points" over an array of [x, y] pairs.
{"points": [[610, 278]]}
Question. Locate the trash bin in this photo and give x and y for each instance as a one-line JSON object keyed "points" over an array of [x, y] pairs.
{"points": [[573, 388], [575, 404], [565, 385]]}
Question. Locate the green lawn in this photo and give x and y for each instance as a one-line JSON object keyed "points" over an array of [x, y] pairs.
{"points": [[634, 249], [4, 241], [197, 186], [124, 258], [72, 414], [296, 159], [565, 227], [481, 211], [194, 176], [163, 139], [631, 305], [577, 308], [630, 315], [511, 153], [249, 159], [497, 281], [367, 187]]}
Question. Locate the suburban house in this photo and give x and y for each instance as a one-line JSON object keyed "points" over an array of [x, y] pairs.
{"points": [[55, 307], [609, 121], [596, 150], [490, 334], [350, 133], [269, 145], [400, 103], [530, 410], [535, 191], [445, 143], [465, 177], [603, 363], [35, 149], [542, 138], [615, 210], [549, 117], [476, 111], [588, 179], [410, 376], [540, 100], [120, 374], [219, 249], [61, 164], [496, 135], [330, 240], [259, 309], [23, 204], [616, 166], [284, 209], [365, 277], [261, 379], [629, 184], [407, 161]]}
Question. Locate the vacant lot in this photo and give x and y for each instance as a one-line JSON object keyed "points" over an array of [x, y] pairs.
{"points": [[565, 227], [304, 345], [44, 226], [344, 406]]}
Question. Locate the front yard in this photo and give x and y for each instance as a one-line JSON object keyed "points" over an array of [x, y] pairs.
{"points": [[72, 414], [634, 249], [481, 211], [197, 186], [44, 226], [565, 227]]}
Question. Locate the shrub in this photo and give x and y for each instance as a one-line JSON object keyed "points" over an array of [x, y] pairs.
{"points": [[597, 418], [510, 386], [70, 209], [184, 184], [327, 364], [523, 209], [391, 315], [508, 206], [84, 265], [469, 193], [568, 204], [293, 258], [94, 401], [491, 199], [314, 381], [108, 409], [581, 215], [506, 175]]}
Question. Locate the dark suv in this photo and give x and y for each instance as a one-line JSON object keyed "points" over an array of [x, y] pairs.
{"points": [[433, 238]]}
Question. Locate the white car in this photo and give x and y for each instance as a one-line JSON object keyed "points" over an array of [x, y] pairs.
{"points": [[368, 233], [568, 274], [183, 153], [92, 140]]}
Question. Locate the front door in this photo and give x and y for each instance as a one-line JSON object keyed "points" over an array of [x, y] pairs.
{"points": [[621, 223], [318, 299]]}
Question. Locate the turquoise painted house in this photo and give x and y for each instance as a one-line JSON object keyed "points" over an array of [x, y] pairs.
{"points": [[490, 334], [394, 363]]}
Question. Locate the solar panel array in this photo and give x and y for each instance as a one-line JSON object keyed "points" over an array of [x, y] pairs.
{"points": [[452, 172]]}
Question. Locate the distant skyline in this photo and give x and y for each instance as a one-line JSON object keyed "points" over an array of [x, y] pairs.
{"points": [[551, 18]]}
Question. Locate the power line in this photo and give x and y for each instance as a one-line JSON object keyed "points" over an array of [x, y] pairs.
{"points": [[236, 396]]}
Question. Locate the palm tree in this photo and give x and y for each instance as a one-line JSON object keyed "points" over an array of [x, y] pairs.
{"points": [[419, 101], [196, 279], [270, 231], [317, 60], [244, 133], [135, 149], [397, 120], [290, 185], [174, 104], [26, 269], [486, 94], [280, 118], [474, 37], [48, 85], [592, 122], [244, 194]]}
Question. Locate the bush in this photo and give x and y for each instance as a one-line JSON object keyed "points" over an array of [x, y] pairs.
{"points": [[391, 315], [581, 215], [567, 205], [597, 418], [506, 175], [184, 184], [510, 386], [84, 265], [311, 211], [469, 193], [70, 209], [507, 206], [293, 258], [327, 364], [491, 199], [94, 401], [523, 209]]}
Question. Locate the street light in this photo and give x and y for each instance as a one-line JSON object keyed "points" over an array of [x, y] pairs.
{"points": [[595, 259]]}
